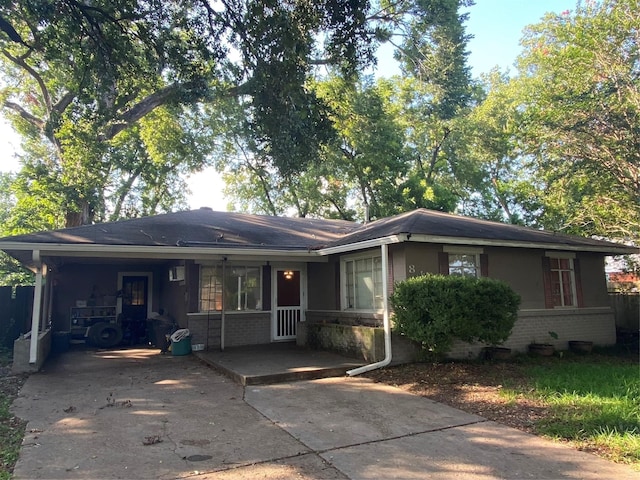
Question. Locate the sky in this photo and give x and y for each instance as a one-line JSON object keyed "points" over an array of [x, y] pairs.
{"points": [[496, 26]]}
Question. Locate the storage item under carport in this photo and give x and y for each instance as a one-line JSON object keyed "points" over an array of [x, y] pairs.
{"points": [[159, 329], [181, 342], [105, 335]]}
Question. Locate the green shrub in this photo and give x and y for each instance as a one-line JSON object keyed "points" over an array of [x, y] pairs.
{"points": [[433, 310]]}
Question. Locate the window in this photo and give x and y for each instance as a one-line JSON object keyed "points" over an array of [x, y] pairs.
{"points": [[241, 288], [464, 264], [210, 288], [465, 261], [562, 282], [363, 283]]}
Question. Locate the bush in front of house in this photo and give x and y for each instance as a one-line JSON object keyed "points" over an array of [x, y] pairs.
{"points": [[433, 310]]}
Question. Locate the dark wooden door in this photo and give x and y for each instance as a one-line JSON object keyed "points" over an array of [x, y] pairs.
{"points": [[135, 297]]}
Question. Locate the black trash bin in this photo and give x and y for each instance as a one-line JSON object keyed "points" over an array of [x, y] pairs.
{"points": [[159, 329]]}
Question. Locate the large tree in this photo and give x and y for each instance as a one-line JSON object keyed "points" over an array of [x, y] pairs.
{"points": [[375, 159], [78, 74], [579, 87]]}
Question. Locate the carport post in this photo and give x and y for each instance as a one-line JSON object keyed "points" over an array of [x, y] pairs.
{"points": [[224, 261], [385, 316], [37, 312]]}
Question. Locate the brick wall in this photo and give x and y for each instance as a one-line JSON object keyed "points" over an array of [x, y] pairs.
{"points": [[247, 329], [592, 324], [205, 328]]}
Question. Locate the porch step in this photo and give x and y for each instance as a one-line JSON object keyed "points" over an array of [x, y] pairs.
{"points": [[276, 364]]}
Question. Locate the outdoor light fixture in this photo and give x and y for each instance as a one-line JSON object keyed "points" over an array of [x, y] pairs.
{"points": [[288, 274]]}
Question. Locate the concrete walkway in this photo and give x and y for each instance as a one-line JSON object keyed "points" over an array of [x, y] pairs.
{"points": [[138, 414]]}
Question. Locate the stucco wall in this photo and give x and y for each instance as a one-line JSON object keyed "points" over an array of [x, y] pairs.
{"points": [[321, 283]]}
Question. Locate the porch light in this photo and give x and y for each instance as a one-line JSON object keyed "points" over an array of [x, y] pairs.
{"points": [[288, 274]]}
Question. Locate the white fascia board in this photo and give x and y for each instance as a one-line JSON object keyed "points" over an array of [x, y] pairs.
{"points": [[145, 251], [622, 250], [376, 242]]}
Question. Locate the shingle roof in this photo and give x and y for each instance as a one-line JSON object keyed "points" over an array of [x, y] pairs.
{"points": [[444, 225], [208, 228], [202, 227]]}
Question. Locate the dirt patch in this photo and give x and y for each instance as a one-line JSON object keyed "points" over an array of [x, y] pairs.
{"points": [[474, 388]]}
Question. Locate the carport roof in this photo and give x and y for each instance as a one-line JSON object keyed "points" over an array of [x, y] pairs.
{"points": [[203, 227]]}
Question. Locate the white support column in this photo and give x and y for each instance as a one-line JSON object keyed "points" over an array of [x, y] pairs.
{"points": [[35, 316]]}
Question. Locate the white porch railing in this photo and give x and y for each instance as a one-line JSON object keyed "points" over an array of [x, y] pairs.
{"points": [[286, 322]]}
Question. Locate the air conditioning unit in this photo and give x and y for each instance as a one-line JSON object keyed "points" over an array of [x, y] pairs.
{"points": [[176, 274]]}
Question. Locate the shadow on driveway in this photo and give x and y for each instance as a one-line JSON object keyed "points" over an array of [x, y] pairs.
{"points": [[139, 414]]}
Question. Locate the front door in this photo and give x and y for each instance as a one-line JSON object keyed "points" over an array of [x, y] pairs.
{"points": [[288, 303], [135, 298]]}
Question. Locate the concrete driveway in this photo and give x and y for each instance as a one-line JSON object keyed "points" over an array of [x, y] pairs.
{"points": [[137, 414]]}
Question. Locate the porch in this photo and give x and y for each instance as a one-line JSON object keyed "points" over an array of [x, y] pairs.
{"points": [[277, 363]]}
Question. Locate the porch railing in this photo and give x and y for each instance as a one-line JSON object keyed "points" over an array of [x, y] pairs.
{"points": [[287, 321]]}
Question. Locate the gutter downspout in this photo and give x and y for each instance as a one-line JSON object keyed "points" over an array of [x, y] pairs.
{"points": [[386, 320]]}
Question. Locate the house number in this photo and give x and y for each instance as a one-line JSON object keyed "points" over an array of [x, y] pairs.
{"points": [[412, 271]]}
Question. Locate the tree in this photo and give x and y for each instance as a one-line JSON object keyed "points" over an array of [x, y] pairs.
{"points": [[503, 185], [80, 74], [580, 97], [11, 272], [367, 163]]}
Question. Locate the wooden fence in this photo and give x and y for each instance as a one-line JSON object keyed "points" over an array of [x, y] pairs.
{"points": [[16, 305], [627, 310]]}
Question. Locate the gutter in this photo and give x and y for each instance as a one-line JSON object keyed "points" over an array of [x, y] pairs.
{"points": [[386, 320]]}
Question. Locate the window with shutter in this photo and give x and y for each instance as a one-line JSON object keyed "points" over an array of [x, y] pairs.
{"points": [[561, 276]]}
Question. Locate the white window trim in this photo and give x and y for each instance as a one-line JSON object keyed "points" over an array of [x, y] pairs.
{"points": [[574, 293], [462, 250], [343, 281], [226, 266], [476, 261]]}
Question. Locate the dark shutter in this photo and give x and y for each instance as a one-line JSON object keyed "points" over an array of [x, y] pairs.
{"points": [[546, 280], [266, 288], [443, 263], [578, 277], [484, 265], [193, 286]]}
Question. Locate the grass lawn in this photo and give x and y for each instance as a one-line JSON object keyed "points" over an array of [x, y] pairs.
{"points": [[594, 402]]}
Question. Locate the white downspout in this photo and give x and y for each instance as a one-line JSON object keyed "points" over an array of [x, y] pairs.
{"points": [[35, 315], [385, 316]]}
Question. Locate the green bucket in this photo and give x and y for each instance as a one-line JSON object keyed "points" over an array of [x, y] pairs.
{"points": [[182, 347]]}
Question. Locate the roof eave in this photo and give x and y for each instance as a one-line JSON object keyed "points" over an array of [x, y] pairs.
{"points": [[153, 251], [375, 242], [608, 250]]}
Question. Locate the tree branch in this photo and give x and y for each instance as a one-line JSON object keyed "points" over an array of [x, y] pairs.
{"points": [[43, 88], [32, 119]]}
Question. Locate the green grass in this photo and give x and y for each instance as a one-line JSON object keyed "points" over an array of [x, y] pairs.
{"points": [[11, 433], [594, 402]]}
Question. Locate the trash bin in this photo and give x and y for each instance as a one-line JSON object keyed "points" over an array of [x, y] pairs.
{"points": [[181, 342], [158, 331]]}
